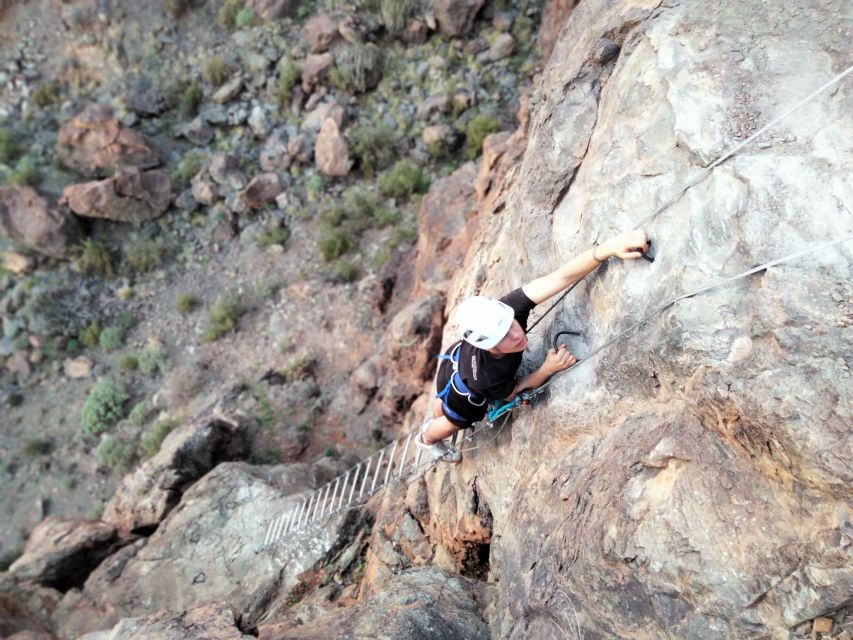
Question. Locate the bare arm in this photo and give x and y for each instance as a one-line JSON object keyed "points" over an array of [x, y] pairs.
{"points": [[628, 246], [555, 361]]}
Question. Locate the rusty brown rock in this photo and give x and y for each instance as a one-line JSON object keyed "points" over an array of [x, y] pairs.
{"points": [[330, 151], [314, 70], [456, 17], [261, 190], [62, 553], [447, 222], [319, 32], [554, 16], [29, 219], [131, 196], [94, 144]]}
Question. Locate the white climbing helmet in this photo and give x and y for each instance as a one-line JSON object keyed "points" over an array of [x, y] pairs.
{"points": [[484, 322]]}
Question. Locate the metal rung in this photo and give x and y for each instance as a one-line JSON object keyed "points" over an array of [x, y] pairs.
{"points": [[378, 467], [354, 482], [401, 464], [390, 463], [364, 479]]}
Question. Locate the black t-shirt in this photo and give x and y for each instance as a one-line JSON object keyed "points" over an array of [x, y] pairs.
{"points": [[495, 377]]}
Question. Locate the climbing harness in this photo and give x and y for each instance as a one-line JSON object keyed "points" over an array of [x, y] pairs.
{"points": [[458, 385], [347, 491]]}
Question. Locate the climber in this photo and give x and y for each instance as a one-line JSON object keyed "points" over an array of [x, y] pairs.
{"points": [[481, 367]]}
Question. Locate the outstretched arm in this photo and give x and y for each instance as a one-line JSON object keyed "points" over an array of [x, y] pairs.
{"points": [[628, 246], [555, 361]]}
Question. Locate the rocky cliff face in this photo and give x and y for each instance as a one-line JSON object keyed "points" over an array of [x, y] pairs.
{"points": [[694, 480]]}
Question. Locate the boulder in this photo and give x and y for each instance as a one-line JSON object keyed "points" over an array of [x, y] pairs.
{"points": [[261, 190], [225, 170], [440, 103], [131, 196], [314, 70], [456, 17], [441, 136], [62, 553], [330, 151], [259, 122], [204, 189], [228, 91], [418, 603], [315, 119], [146, 495], [301, 148], [502, 47], [319, 32], [17, 262], [29, 219], [197, 131], [208, 622], [95, 144], [77, 368], [274, 156], [210, 548]]}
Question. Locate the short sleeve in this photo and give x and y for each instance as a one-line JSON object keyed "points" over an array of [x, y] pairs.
{"points": [[521, 304]]}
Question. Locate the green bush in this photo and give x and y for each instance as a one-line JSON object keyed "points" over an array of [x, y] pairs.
{"points": [[273, 235], [298, 369], [91, 334], [265, 455], [104, 406], [96, 511], [289, 73], [45, 95], [356, 67], [94, 258], [346, 270], [177, 8], [402, 180], [373, 146], [395, 14], [244, 18], [128, 362], [9, 147], [314, 186], [153, 360], [190, 100], [139, 414], [26, 173], [334, 243], [143, 254], [152, 440], [186, 170], [111, 338], [214, 71], [36, 447], [115, 454], [476, 131], [186, 303], [227, 14], [222, 318]]}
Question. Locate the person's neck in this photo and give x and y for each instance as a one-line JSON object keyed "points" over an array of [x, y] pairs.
{"points": [[496, 354]]}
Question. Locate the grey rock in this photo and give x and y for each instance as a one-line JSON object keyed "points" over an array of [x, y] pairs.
{"points": [[228, 91], [502, 47], [258, 122]]}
